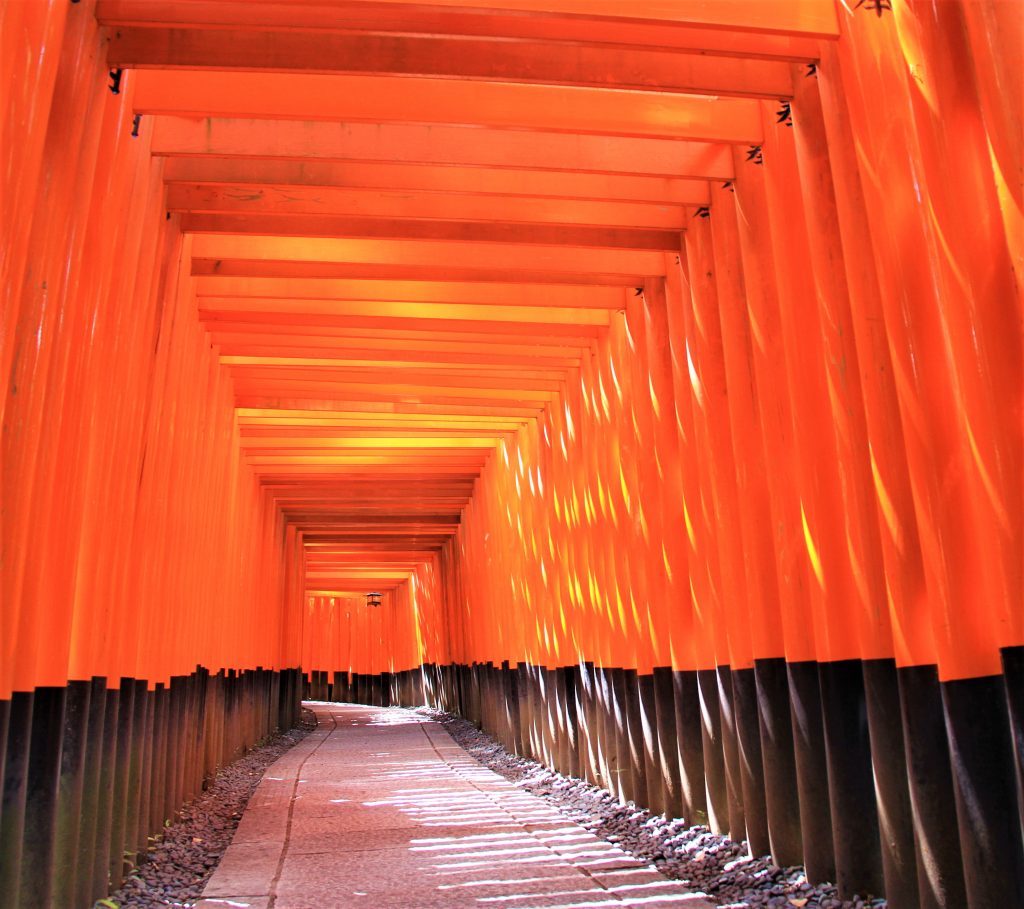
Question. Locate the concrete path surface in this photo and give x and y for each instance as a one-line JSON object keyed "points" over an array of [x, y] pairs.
{"points": [[382, 809]]}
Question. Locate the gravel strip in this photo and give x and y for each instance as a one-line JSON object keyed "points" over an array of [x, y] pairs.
{"points": [[174, 872], [712, 864]]}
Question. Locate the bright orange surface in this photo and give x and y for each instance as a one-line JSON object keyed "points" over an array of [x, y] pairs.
{"points": [[500, 313]]}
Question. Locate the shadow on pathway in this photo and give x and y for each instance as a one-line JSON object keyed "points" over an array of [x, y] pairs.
{"points": [[380, 808]]}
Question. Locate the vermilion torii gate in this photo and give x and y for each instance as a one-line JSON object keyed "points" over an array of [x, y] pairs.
{"points": [[659, 362]]}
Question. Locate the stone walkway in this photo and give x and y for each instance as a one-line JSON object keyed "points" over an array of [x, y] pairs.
{"points": [[380, 808]]}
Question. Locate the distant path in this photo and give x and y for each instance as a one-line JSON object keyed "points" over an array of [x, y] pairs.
{"points": [[382, 809]]}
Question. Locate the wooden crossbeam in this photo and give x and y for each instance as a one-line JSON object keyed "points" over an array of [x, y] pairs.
{"points": [[550, 63], [754, 28], [440, 145], [499, 184], [372, 205]]}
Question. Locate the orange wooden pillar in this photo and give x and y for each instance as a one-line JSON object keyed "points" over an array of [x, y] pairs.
{"points": [[835, 591], [983, 318], [581, 505], [646, 588], [785, 612], [688, 634], [698, 718], [995, 43], [711, 423], [676, 658], [876, 487], [882, 769], [627, 648], [124, 495], [726, 581], [33, 38], [601, 590], [959, 284], [653, 417], [755, 558]]}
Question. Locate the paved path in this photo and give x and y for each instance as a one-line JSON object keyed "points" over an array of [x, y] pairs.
{"points": [[382, 809]]}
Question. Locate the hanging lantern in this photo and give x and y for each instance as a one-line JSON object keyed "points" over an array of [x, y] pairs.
{"points": [[373, 599]]}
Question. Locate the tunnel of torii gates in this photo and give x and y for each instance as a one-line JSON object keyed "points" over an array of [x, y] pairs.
{"points": [[658, 362]]}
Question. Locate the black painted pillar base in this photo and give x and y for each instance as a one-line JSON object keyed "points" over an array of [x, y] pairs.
{"points": [[505, 681], [606, 733], [530, 713], [782, 800], [811, 771], [635, 729], [161, 719], [132, 844], [482, 698], [469, 689], [15, 786], [731, 754], [123, 746], [715, 783], [523, 709], [690, 735], [851, 785], [748, 741], [1013, 680], [668, 750], [895, 821], [430, 683], [147, 787], [622, 766], [510, 676], [91, 796], [572, 722], [497, 705], [444, 687], [587, 712], [984, 776], [547, 706], [70, 792], [108, 757], [538, 714], [560, 719], [648, 716], [5, 716], [545, 713]]}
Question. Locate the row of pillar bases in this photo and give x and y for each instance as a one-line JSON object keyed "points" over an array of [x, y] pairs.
{"points": [[847, 768], [879, 778], [92, 773]]}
